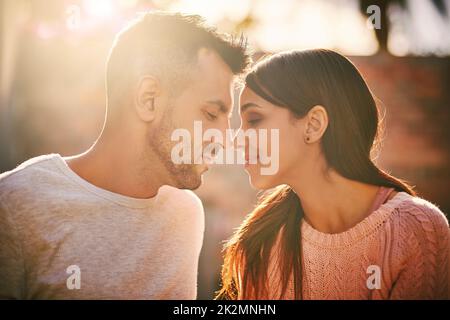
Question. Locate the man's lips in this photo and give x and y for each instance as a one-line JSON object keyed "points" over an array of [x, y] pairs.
{"points": [[247, 158]]}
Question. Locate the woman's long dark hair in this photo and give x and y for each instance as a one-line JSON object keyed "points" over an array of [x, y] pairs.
{"points": [[300, 80]]}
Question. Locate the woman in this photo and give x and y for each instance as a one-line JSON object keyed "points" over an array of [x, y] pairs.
{"points": [[336, 226]]}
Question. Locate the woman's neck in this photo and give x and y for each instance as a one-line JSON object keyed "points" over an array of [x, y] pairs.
{"points": [[332, 203]]}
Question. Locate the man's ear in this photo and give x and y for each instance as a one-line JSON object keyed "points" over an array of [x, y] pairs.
{"points": [[316, 124], [148, 89]]}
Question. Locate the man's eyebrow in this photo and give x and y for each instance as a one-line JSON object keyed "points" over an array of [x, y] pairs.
{"points": [[223, 107], [248, 105]]}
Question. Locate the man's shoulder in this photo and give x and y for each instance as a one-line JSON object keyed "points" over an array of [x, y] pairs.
{"points": [[187, 213], [184, 198], [31, 175]]}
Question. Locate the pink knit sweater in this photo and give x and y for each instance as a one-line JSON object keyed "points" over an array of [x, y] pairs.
{"points": [[400, 251]]}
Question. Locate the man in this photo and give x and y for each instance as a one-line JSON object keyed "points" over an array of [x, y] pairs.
{"points": [[113, 222]]}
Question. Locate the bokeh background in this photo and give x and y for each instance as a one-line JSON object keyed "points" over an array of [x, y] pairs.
{"points": [[52, 96]]}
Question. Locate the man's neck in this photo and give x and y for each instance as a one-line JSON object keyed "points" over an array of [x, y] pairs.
{"points": [[119, 167]]}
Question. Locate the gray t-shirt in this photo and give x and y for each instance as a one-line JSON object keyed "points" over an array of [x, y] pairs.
{"points": [[64, 238]]}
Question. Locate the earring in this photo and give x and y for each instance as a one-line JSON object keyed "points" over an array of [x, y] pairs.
{"points": [[307, 138]]}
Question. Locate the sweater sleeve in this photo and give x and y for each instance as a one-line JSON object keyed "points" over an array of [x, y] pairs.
{"points": [[424, 273], [11, 260]]}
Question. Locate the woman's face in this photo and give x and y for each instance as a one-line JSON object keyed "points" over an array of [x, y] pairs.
{"points": [[259, 114]]}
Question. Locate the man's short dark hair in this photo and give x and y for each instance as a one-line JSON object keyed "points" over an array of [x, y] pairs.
{"points": [[166, 45]]}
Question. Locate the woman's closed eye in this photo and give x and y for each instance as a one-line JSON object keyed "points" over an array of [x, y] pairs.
{"points": [[253, 119]]}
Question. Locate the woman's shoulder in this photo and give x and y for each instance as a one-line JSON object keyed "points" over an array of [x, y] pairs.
{"points": [[418, 216]]}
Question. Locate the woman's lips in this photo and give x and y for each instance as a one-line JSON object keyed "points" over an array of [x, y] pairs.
{"points": [[208, 160]]}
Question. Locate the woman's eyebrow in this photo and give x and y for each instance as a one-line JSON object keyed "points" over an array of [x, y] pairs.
{"points": [[248, 105]]}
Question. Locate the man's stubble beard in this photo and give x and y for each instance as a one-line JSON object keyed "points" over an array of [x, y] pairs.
{"points": [[182, 176]]}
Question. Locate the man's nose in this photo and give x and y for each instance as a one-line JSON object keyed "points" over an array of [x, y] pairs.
{"points": [[238, 142], [224, 127], [232, 140]]}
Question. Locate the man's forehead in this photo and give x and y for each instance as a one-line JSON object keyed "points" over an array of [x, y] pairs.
{"points": [[212, 65], [214, 78]]}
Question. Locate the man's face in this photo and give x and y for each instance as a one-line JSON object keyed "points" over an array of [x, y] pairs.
{"points": [[208, 98]]}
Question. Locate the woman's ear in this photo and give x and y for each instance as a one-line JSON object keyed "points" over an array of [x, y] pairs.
{"points": [[148, 89], [316, 124]]}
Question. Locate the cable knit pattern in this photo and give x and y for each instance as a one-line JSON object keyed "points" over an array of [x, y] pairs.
{"points": [[406, 237]]}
